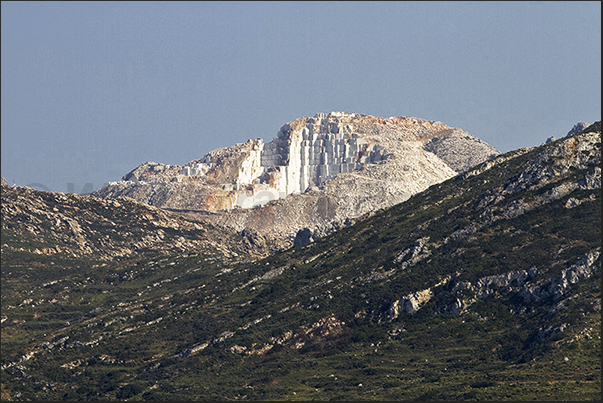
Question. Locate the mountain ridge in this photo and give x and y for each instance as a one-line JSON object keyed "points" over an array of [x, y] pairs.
{"points": [[308, 167], [483, 287], [72, 225]]}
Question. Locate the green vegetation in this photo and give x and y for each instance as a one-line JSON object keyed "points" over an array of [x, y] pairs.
{"points": [[315, 322]]}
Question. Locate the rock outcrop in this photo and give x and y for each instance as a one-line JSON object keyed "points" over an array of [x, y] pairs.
{"points": [[497, 269], [554, 171], [577, 128], [316, 173], [74, 226]]}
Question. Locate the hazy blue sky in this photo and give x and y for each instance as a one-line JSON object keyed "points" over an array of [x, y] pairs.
{"points": [[90, 90]]}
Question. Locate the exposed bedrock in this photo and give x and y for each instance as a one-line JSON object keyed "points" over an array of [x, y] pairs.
{"points": [[356, 162]]}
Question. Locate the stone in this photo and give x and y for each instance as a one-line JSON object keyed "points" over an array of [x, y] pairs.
{"points": [[321, 169], [577, 128]]}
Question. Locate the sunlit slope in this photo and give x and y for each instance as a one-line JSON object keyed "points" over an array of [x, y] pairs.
{"points": [[486, 286]]}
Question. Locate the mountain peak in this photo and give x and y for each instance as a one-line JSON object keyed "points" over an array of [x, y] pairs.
{"points": [[482, 287], [353, 163], [578, 127]]}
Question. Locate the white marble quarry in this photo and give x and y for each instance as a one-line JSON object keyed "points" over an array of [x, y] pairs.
{"points": [[296, 159], [303, 157], [248, 200], [304, 153], [251, 167], [317, 152]]}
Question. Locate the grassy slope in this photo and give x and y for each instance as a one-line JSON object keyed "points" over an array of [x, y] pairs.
{"points": [[132, 324]]}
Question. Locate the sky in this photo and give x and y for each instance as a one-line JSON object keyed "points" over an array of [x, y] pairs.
{"points": [[91, 90]]}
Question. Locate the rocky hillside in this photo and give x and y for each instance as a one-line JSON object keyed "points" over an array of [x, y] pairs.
{"points": [[73, 226], [483, 287], [318, 172]]}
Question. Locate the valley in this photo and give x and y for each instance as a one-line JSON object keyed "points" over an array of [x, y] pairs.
{"points": [[484, 286]]}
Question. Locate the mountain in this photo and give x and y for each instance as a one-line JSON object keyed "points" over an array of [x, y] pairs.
{"points": [[485, 286], [65, 226], [318, 173]]}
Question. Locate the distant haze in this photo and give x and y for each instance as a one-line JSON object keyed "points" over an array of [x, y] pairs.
{"points": [[90, 90]]}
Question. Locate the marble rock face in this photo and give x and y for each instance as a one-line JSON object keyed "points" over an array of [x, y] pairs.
{"points": [[311, 151], [370, 161]]}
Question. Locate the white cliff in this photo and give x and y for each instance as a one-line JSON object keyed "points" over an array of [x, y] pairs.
{"points": [[368, 162], [305, 153]]}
